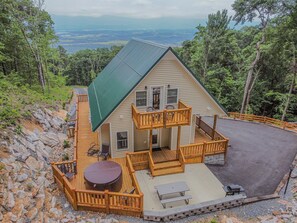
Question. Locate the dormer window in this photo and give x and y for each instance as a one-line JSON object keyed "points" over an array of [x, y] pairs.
{"points": [[141, 99]]}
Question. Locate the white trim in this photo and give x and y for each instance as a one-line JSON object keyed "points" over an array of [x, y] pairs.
{"points": [[162, 95], [177, 96], [132, 140], [110, 140], [100, 137], [124, 149], [146, 98]]}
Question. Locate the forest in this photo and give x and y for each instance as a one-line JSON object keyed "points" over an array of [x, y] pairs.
{"points": [[249, 70]]}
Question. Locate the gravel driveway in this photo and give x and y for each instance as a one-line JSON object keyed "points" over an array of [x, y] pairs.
{"points": [[259, 156]]}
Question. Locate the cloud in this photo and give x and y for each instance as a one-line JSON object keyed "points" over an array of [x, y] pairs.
{"points": [[137, 8]]}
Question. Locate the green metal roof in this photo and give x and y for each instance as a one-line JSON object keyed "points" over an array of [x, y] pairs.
{"points": [[121, 76]]}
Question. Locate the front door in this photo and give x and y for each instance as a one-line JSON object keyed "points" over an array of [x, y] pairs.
{"points": [[155, 138], [157, 98]]}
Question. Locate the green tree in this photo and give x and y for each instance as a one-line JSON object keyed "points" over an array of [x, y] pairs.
{"points": [[248, 10]]}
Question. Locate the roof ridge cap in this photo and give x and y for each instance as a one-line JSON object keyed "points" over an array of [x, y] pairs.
{"points": [[151, 43]]}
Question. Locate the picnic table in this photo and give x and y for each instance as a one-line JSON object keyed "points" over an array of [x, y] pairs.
{"points": [[179, 188]]}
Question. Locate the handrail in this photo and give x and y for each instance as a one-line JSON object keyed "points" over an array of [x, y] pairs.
{"points": [[111, 202], [151, 164], [162, 119], [208, 129], [181, 159], [82, 97], [265, 120], [196, 152]]}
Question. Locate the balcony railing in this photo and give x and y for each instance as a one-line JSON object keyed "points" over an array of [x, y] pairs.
{"points": [[162, 119]]}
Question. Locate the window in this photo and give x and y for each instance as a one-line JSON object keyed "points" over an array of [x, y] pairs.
{"points": [[172, 96], [141, 98], [122, 140]]}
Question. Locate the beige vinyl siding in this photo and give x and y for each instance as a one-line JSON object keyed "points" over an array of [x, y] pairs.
{"points": [[169, 71], [141, 140], [105, 134], [165, 138]]}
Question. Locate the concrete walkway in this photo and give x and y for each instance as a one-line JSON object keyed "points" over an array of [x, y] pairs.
{"points": [[259, 156]]}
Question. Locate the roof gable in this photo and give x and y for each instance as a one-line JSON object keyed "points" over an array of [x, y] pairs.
{"points": [[120, 77]]}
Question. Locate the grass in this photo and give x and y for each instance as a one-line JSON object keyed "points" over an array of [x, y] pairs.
{"points": [[18, 99]]}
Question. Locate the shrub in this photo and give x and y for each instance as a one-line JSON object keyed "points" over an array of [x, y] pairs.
{"points": [[65, 157], [66, 144]]}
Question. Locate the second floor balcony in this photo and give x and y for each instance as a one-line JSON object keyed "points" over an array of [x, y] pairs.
{"points": [[162, 118]]}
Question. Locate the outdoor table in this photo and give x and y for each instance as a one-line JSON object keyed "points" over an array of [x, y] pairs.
{"points": [[104, 175], [172, 188]]}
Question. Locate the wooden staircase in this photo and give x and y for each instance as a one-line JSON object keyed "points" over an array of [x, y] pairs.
{"points": [[169, 167]]}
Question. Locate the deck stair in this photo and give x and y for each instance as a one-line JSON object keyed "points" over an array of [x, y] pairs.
{"points": [[169, 167]]}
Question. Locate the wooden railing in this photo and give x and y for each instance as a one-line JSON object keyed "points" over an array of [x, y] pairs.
{"points": [[82, 97], [195, 153], [181, 159], [151, 164], [265, 120], [67, 166], [212, 133], [162, 119], [105, 201], [139, 160]]}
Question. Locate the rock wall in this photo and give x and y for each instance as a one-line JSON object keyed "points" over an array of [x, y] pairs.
{"points": [[218, 159], [26, 184]]}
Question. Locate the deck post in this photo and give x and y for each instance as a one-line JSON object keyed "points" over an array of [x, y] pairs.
{"points": [[74, 199], [226, 149], [203, 151], [106, 197], [178, 140], [151, 141], [215, 117]]}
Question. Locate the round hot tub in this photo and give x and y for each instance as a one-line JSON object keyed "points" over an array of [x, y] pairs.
{"points": [[104, 175]]}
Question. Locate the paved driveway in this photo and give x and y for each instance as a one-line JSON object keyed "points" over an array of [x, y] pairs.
{"points": [[258, 158]]}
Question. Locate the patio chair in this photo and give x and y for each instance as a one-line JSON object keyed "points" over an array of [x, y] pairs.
{"points": [[68, 172], [129, 192], [169, 107], [104, 152], [150, 109], [93, 150], [170, 115], [125, 199]]}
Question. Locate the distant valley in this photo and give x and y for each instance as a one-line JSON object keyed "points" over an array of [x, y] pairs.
{"points": [[73, 41]]}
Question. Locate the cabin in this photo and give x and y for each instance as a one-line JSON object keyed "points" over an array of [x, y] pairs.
{"points": [[146, 99], [143, 114]]}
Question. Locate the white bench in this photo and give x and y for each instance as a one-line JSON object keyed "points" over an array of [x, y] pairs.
{"points": [[185, 198]]}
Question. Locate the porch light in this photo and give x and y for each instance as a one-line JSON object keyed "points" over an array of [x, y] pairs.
{"points": [[168, 85], [145, 87]]}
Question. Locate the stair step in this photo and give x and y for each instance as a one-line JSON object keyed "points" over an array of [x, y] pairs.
{"points": [[167, 171], [166, 165]]}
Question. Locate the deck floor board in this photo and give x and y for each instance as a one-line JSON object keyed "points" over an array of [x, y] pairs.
{"points": [[85, 138]]}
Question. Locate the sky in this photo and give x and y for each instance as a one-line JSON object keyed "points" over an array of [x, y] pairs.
{"points": [[138, 8]]}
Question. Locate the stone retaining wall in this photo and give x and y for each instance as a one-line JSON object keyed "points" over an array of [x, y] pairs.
{"points": [[194, 209], [218, 159]]}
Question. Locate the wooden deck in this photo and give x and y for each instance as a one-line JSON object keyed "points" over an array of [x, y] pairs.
{"points": [[201, 136], [118, 202], [85, 138]]}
